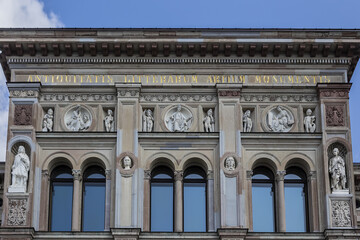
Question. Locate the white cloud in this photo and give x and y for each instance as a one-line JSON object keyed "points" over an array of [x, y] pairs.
{"points": [[19, 14], [25, 14]]}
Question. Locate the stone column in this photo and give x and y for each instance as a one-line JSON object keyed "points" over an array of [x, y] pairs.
{"points": [[76, 211], [44, 201], [107, 199], [147, 177], [249, 175], [210, 201], [281, 200], [178, 201], [313, 204]]}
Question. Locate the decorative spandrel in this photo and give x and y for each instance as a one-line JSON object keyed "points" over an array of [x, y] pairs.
{"points": [[78, 119], [178, 119], [280, 119], [20, 172]]}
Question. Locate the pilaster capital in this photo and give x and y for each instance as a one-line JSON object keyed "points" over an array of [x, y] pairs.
{"points": [[108, 174], [178, 175], [249, 174], [45, 174], [147, 174], [312, 175], [280, 175], [77, 174], [210, 174]]}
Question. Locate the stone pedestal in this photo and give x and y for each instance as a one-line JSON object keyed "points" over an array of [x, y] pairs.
{"points": [[17, 210], [17, 189]]}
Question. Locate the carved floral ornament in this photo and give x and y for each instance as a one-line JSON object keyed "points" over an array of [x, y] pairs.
{"points": [[335, 115], [17, 212], [341, 213], [23, 114]]}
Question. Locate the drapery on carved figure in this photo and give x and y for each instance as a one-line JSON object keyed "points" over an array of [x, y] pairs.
{"points": [[109, 121], [247, 122], [337, 171], [280, 122], [209, 121], [48, 121], [20, 169], [178, 121], [127, 163], [78, 121], [148, 120], [230, 164], [309, 122]]}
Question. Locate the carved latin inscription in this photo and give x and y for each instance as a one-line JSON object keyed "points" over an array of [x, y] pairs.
{"points": [[17, 212], [23, 114], [340, 213]]}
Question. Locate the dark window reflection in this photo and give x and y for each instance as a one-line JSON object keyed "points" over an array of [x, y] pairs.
{"points": [[162, 200], [263, 200], [295, 200], [194, 200], [61, 199], [94, 199]]}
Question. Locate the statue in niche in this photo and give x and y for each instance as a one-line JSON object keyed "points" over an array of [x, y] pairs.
{"points": [[280, 119], [309, 122], [230, 164], [19, 172], [47, 125], [79, 120], [209, 121], [127, 162], [109, 121], [337, 171], [178, 121], [148, 120], [247, 122]]}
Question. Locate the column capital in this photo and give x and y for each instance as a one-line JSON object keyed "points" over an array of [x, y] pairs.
{"points": [[210, 174], [108, 174], [178, 175], [147, 174], [77, 174], [280, 175], [312, 175], [45, 174], [249, 174]]}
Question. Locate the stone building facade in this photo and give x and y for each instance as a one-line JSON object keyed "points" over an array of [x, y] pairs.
{"points": [[234, 113]]}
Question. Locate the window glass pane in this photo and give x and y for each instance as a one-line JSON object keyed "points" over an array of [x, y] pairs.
{"points": [[61, 209], [64, 175], [292, 176], [162, 207], [260, 176], [194, 207], [295, 207], [94, 206], [194, 176], [162, 176], [95, 176], [263, 207]]}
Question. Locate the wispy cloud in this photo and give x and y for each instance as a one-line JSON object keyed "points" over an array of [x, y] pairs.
{"points": [[19, 14]]}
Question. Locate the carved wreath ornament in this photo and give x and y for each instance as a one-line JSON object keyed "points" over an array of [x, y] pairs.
{"points": [[341, 214], [17, 212]]}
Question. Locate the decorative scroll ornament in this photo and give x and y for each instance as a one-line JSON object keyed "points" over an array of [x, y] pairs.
{"points": [[340, 213], [19, 171], [17, 212], [209, 121], [280, 119], [178, 119], [337, 171], [78, 119], [148, 121]]}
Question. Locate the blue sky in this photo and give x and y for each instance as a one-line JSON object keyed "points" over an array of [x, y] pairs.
{"points": [[186, 14]]}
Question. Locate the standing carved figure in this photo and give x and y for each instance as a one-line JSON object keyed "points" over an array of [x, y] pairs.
{"points": [[247, 122], [309, 122], [48, 121], [230, 164], [337, 171], [209, 121], [109, 121], [178, 121], [20, 170], [148, 120]]}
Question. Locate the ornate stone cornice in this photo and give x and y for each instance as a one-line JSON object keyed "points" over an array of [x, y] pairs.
{"points": [[77, 97], [174, 97], [278, 97]]}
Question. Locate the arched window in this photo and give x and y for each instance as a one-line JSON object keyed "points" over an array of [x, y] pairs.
{"points": [[296, 200], [93, 199], [194, 185], [162, 200], [61, 199], [263, 200]]}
